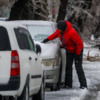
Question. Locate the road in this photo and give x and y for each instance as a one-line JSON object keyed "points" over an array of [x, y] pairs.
{"points": [[92, 72]]}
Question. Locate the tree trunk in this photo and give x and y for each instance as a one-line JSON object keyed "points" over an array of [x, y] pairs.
{"points": [[96, 33], [41, 11], [62, 10], [44, 12], [38, 10], [28, 11], [17, 9]]}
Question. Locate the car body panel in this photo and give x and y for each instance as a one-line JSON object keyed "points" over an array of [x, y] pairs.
{"points": [[27, 67], [5, 66]]}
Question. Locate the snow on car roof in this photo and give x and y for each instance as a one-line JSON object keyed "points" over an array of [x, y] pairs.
{"points": [[13, 24], [3, 18], [34, 22]]}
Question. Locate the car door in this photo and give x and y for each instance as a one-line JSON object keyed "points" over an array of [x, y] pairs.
{"points": [[33, 61], [39, 70], [38, 65], [30, 56]]}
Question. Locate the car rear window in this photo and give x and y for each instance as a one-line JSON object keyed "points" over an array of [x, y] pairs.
{"points": [[4, 40], [22, 38]]}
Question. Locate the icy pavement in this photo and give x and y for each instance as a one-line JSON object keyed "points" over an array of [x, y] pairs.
{"points": [[92, 73]]}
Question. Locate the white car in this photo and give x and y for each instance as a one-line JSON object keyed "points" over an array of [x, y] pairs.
{"points": [[3, 18], [21, 68], [51, 54]]}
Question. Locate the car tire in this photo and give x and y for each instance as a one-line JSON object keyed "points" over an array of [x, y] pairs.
{"points": [[25, 93], [11, 98], [0, 97], [54, 87], [41, 93], [59, 84], [6, 98]]}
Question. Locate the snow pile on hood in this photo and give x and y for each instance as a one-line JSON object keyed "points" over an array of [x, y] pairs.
{"points": [[49, 51]]}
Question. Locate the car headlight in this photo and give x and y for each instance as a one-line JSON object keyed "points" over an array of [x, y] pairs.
{"points": [[49, 62]]}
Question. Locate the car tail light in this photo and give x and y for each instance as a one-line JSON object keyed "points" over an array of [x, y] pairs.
{"points": [[15, 64]]}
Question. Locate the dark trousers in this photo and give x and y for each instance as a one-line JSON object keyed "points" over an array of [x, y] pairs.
{"points": [[79, 69]]}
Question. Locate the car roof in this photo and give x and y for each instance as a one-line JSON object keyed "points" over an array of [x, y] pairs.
{"points": [[3, 18], [13, 24], [35, 22]]}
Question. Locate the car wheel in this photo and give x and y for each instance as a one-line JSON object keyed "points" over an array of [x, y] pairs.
{"points": [[5, 98], [11, 98], [54, 87], [0, 97], [59, 84], [25, 93], [41, 93]]}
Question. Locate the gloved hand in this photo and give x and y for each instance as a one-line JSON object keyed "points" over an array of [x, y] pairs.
{"points": [[78, 57], [45, 40]]}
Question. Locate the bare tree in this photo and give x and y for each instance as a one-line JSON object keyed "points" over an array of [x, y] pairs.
{"points": [[53, 7], [85, 16], [45, 10], [62, 10], [5, 6], [17, 9], [40, 9], [28, 10]]}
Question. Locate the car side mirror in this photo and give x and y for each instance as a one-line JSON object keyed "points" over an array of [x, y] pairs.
{"points": [[38, 48]]}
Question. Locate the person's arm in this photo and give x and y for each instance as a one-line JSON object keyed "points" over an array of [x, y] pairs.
{"points": [[78, 41], [54, 35], [51, 37]]}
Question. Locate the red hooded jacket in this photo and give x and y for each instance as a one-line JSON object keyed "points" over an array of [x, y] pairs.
{"points": [[70, 39]]}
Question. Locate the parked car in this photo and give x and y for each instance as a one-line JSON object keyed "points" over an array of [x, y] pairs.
{"points": [[51, 54], [3, 18], [21, 68]]}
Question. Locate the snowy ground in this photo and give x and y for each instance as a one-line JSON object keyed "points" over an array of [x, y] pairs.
{"points": [[92, 73]]}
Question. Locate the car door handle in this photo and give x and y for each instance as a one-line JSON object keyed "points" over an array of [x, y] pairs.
{"points": [[35, 59], [30, 58]]}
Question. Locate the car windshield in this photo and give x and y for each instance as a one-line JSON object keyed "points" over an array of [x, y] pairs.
{"points": [[40, 32]]}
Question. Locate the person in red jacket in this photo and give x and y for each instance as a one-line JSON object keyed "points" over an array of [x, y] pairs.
{"points": [[73, 44]]}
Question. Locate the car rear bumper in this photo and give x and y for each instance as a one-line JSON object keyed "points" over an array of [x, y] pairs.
{"points": [[13, 84]]}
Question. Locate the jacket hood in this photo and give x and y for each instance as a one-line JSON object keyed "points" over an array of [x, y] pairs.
{"points": [[69, 26]]}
